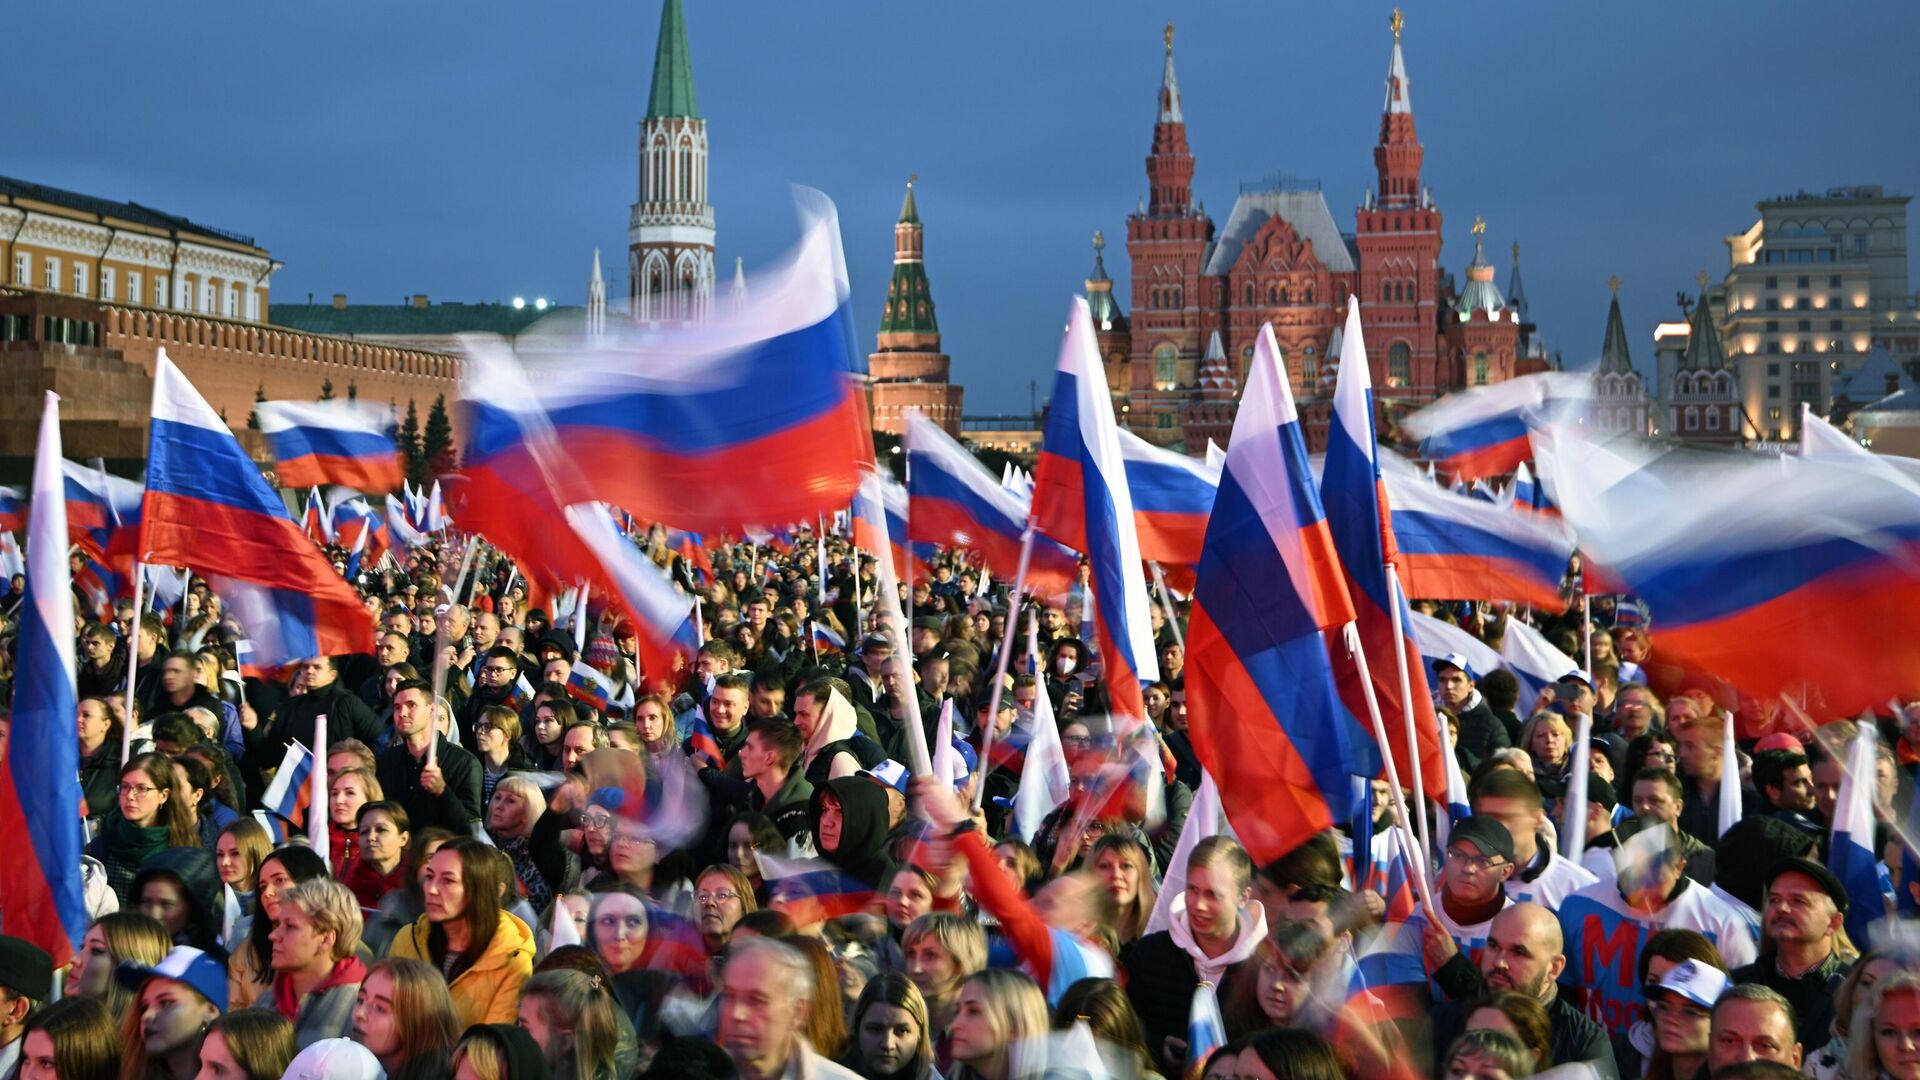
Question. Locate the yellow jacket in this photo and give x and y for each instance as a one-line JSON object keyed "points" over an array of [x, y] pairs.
{"points": [[488, 992]]}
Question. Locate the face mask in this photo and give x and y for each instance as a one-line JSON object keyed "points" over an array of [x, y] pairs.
{"points": [[1064, 665]]}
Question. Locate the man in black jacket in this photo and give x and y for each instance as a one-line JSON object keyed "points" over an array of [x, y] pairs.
{"points": [[1524, 953], [347, 716], [1481, 732], [443, 792]]}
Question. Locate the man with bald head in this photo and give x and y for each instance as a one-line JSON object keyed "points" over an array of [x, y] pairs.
{"points": [[1525, 954]]}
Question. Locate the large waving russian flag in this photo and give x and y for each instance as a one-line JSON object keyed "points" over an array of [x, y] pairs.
{"points": [[1362, 528], [663, 615], [1455, 547], [1172, 496], [332, 442], [1483, 431], [1265, 717], [1080, 497], [894, 510], [759, 412], [40, 787], [208, 509], [103, 511], [958, 503]]}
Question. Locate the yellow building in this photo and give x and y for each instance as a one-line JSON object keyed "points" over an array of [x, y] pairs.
{"points": [[78, 245]]}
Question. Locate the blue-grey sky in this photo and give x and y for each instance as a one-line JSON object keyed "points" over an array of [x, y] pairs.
{"points": [[479, 151]]}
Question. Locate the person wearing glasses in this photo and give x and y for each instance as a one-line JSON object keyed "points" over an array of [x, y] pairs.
{"points": [[495, 676], [1470, 891], [496, 741], [149, 818]]}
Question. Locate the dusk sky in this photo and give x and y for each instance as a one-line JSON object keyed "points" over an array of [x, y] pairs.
{"points": [[479, 151]]}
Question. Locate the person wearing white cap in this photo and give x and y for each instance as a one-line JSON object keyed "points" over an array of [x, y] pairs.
{"points": [[1481, 732], [1682, 1003], [335, 1059]]}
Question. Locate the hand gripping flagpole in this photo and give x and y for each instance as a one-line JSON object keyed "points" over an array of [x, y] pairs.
{"points": [[1399, 599], [1000, 668], [133, 663], [1350, 633], [1166, 604]]}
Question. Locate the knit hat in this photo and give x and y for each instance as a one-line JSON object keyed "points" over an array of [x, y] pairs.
{"points": [[602, 653]]}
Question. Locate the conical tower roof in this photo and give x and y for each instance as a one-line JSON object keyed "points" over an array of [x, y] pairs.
{"points": [[1215, 379], [1105, 309], [1169, 86], [1481, 294], [909, 297], [1614, 357], [1703, 344], [672, 67], [1517, 292]]}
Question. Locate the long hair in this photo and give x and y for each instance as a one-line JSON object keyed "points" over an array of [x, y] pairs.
{"points": [[253, 843], [1863, 1056], [424, 1019], [132, 938], [134, 1063], [1529, 1019], [895, 989], [86, 1042], [583, 1005], [483, 880], [826, 1026], [1130, 919], [260, 1040], [1512, 1055], [961, 936], [174, 814], [1109, 1015], [302, 865], [1016, 1013]]}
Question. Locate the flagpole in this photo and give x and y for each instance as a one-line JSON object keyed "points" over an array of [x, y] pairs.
{"points": [[1000, 669], [1399, 599], [1573, 829], [1351, 634], [1166, 604], [1586, 625], [133, 662], [466, 565]]}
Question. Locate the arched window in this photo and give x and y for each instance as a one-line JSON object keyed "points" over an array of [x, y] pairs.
{"points": [[1713, 419], [1480, 369], [686, 171], [1273, 295], [1308, 297], [1387, 292], [1693, 418], [1249, 300], [1179, 296], [1283, 295], [1165, 365], [1399, 364]]}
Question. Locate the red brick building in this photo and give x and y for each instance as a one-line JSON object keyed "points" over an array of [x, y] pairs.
{"points": [[907, 370], [1282, 258]]}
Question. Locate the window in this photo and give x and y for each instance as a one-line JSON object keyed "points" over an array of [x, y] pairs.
{"points": [[82, 279], [133, 287], [52, 278], [1772, 282], [22, 268], [1713, 419], [1833, 281], [1165, 359], [1399, 364], [1479, 369], [1805, 325], [160, 286], [1772, 304], [1773, 413], [1773, 326], [1773, 392], [1773, 370], [206, 297], [1833, 302], [109, 288], [1163, 420], [1249, 294], [1801, 281], [1309, 370], [1693, 418], [1833, 324]]}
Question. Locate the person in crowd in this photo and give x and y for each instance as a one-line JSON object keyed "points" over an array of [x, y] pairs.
{"points": [[499, 1052], [316, 974], [124, 937], [74, 1038], [1548, 740], [526, 833], [726, 716], [1483, 1054], [26, 984], [1524, 954], [400, 907], [179, 888], [1470, 891], [1751, 1023], [1125, 867], [850, 827], [766, 990], [1659, 798], [380, 866], [316, 690], [1699, 743], [999, 1027], [405, 1017], [770, 781], [618, 932], [939, 950], [1805, 953], [748, 837], [248, 1044], [1682, 1006], [152, 814], [99, 727], [825, 1028], [242, 846], [441, 788], [250, 963], [1885, 1038], [1520, 1016], [1103, 1006], [348, 791], [573, 1017], [484, 951], [910, 894], [722, 896], [1826, 1062], [1540, 873], [889, 1031], [1481, 732], [175, 1002], [1213, 929], [496, 742]]}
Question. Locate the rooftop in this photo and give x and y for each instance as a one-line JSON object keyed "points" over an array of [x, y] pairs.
{"points": [[11, 189], [444, 318], [1305, 210]]}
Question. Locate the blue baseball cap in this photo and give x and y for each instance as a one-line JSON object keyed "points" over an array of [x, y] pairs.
{"points": [[183, 965], [1456, 660]]}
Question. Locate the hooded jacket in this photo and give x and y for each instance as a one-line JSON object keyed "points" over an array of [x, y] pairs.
{"points": [[525, 1059], [193, 868], [326, 1011], [863, 829], [1164, 969], [488, 992]]}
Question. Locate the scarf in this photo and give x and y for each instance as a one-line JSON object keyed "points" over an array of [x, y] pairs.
{"points": [[129, 842], [350, 970], [1253, 931]]}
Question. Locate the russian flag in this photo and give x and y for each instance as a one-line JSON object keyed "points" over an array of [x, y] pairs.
{"points": [[811, 891], [317, 522], [586, 684], [103, 510], [1532, 659], [1454, 547], [1484, 431], [290, 793], [1080, 497], [759, 411], [436, 519], [898, 508], [825, 641], [692, 548], [662, 615], [13, 510], [1528, 495], [332, 442], [1265, 717], [354, 519], [956, 502], [1361, 525], [1390, 980], [40, 787], [208, 509], [1852, 857], [1172, 496]]}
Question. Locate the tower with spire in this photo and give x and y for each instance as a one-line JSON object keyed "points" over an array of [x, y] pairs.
{"points": [[1111, 332], [907, 368], [670, 254], [1208, 414], [1703, 404], [1483, 333], [596, 300], [1620, 395], [1167, 242]]}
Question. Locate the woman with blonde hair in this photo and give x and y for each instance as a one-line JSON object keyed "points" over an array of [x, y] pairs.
{"points": [[316, 975], [826, 1023], [1885, 1038], [1125, 866], [890, 1037], [1828, 1062], [1548, 741], [574, 1019], [124, 937], [347, 791], [250, 1044], [404, 1016], [237, 854], [939, 950], [1000, 1025]]}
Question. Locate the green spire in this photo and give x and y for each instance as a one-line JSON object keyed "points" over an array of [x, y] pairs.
{"points": [[909, 297], [1614, 357], [909, 212], [672, 68]]}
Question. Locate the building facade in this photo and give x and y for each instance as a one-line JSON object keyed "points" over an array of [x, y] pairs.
{"points": [[1620, 403], [1703, 399], [670, 254], [1282, 259], [1812, 287], [907, 369]]}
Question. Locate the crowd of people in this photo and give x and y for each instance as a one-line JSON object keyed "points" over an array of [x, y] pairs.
{"points": [[728, 869]]}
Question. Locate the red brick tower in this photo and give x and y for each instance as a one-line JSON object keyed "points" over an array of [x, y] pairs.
{"points": [[1208, 414], [1167, 244], [907, 369], [1399, 242]]}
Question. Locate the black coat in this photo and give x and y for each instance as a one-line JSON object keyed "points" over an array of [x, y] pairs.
{"points": [[1160, 983], [1481, 732], [456, 808], [347, 718]]}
